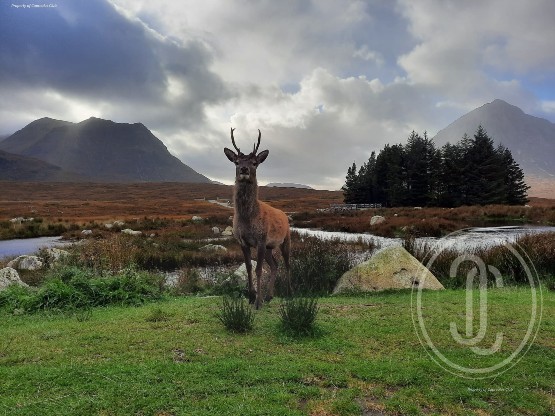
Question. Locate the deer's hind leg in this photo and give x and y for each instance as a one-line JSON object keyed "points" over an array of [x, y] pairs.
{"points": [[273, 272], [261, 250]]}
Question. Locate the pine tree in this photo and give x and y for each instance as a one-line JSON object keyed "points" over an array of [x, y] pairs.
{"points": [[451, 182], [516, 188], [483, 171], [390, 176], [422, 166], [368, 180], [350, 187], [469, 172]]}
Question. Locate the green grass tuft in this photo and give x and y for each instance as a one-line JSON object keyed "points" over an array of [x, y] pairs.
{"points": [[236, 314], [298, 315]]}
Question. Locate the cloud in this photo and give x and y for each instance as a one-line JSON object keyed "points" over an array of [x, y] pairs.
{"points": [[90, 53], [477, 51], [327, 82], [315, 133]]}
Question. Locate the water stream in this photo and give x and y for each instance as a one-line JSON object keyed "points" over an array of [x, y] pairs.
{"points": [[467, 239], [18, 247]]}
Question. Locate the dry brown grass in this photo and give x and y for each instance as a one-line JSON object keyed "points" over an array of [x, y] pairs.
{"points": [[110, 254], [86, 202], [89, 205], [433, 222]]}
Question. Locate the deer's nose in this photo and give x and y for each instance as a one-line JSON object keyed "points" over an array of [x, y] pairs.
{"points": [[244, 170]]}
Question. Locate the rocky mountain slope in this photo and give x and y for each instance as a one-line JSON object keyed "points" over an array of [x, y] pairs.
{"points": [[530, 139], [101, 150], [23, 168]]}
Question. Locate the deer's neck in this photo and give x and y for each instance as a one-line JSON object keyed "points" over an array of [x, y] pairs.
{"points": [[246, 200]]}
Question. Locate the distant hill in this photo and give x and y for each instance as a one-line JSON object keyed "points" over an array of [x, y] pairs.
{"points": [[530, 139], [288, 185], [22, 168], [101, 150]]}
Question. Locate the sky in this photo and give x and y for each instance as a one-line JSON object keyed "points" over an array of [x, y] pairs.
{"points": [[326, 81]]}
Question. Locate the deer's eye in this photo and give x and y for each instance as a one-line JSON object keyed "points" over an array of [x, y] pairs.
{"points": [[254, 163], [237, 163]]}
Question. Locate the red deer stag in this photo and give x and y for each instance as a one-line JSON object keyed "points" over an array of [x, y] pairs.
{"points": [[255, 223]]}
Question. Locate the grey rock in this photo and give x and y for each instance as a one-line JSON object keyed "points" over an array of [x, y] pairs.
{"points": [[377, 219], [214, 248], [129, 231], [8, 277], [390, 268], [26, 263], [228, 231]]}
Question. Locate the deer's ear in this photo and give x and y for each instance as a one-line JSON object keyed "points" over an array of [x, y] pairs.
{"points": [[230, 154], [261, 157]]}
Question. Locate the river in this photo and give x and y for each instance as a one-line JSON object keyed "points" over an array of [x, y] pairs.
{"points": [[18, 247], [470, 238]]}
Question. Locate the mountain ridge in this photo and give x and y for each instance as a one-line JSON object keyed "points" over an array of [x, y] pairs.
{"points": [[101, 150], [530, 139], [22, 168]]}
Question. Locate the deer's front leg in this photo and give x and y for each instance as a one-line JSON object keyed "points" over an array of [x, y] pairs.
{"points": [[261, 251], [247, 256]]}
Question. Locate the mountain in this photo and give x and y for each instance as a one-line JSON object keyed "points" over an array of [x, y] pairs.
{"points": [[23, 168], [530, 139], [288, 185], [101, 150]]}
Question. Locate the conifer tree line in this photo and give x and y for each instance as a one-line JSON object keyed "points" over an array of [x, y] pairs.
{"points": [[471, 172]]}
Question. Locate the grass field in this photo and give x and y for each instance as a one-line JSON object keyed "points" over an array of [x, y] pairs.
{"points": [[174, 357]]}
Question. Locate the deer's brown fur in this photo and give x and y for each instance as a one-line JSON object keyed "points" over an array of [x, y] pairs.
{"points": [[255, 223]]}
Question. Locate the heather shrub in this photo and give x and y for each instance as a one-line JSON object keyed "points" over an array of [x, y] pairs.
{"points": [[298, 315], [73, 288], [536, 250], [111, 254], [236, 314], [316, 266]]}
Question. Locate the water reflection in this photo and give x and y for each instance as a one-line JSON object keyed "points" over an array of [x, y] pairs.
{"points": [[13, 248]]}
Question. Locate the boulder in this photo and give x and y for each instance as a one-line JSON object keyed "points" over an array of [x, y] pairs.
{"points": [[8, 277], [26, 263], [118, 224], [240, 277], [216, 248], [196, 218], [52, 255], [19, 220], [228, 231], [377, 219], [129, 231], [390, 268], [241, 272], [215, 230], [86, 232]]}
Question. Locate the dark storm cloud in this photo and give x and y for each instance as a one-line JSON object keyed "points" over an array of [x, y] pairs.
{"points": [[87, 49]]}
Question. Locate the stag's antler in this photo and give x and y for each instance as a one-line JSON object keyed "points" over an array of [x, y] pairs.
{"points": [[233, 141], [258, 144]]}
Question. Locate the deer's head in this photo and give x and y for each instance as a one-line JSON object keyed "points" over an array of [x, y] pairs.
{"points": [[245, 165]]}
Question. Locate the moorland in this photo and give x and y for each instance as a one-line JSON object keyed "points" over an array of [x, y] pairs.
{"points": [[99, 333]]}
